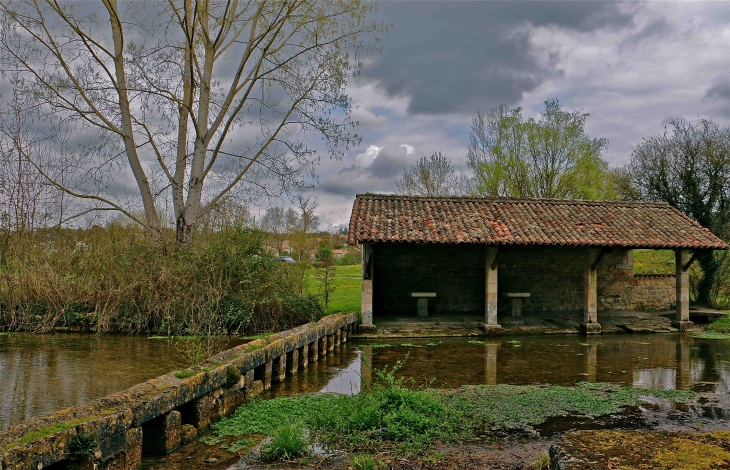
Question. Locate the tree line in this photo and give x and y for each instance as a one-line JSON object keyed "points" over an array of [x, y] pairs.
{"points": [[510, 155]]}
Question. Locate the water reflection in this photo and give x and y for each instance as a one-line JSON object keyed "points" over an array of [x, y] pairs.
{"points": [[42, 374], [667, 361]]}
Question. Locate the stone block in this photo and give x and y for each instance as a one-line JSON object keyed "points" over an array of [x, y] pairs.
{"points": [[330, 342], [292, 361], [130, 458], [323, 346], [591, 328], [314, 351], [162, 434], [367, 329], [683, 325], [188, 433], [492, 329]]}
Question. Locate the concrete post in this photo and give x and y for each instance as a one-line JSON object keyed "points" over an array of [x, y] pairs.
{"points": [[590, 306], [366, 295], [681, 321], [490, 292]]}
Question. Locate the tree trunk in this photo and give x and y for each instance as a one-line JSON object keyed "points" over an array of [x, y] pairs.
{"points": [[710, 266], [184, 233]]}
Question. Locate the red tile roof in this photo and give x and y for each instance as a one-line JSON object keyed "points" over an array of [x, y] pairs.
{"points": [[380, 218]]}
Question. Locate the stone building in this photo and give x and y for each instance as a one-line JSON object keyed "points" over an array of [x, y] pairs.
{"points": [[427, 256]]}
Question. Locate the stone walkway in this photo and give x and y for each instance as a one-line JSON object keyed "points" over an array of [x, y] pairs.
{"points": [[620, 321]]}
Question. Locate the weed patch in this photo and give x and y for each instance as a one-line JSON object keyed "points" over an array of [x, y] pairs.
{"points": [[288, 442], [184, 374]]}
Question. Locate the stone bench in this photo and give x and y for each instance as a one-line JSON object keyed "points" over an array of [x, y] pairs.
{"points": [[423, 302], [516, 298]]}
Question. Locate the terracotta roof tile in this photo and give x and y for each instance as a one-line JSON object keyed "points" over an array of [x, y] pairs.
{"points": [[381, 218]]}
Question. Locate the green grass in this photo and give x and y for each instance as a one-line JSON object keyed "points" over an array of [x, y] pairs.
{"points": [[393, 415], [654, 262], [347, 283], [47, 431], [287, 442], [719, 329], [184, 374]]}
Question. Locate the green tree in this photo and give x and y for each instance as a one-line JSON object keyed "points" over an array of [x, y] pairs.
{"points": [[326, 271], [549, 157], [688, 167], [192, 98]]}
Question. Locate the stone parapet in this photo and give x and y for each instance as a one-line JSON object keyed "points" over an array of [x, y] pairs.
{"points": [[159, 414]]}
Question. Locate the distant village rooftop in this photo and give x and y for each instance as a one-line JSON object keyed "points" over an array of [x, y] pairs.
{"points": [[382, 218]]}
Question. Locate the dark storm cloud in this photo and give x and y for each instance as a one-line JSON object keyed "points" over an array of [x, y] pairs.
{"points": [[468, 56]]}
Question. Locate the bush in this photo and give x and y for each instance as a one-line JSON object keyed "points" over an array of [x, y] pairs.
{"points": [[363, 462], [114, 279], [287, 442]]}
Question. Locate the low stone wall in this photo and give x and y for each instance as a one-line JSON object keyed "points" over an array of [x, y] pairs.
{"points": [[639, 291], [162, 413]]}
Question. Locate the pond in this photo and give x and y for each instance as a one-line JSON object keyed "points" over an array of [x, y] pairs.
{"points": [[41, 374]]}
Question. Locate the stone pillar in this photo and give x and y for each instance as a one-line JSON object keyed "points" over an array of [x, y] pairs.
{"points": [[330, 342], [279, 372], [681, 321], [128, 457], [338, 337], [266, 373], [304, 356], [590, 323], [292, 362], [323, 346], [314, 351], [366, 295], [343, 334], [490, 293], [162, 435]]}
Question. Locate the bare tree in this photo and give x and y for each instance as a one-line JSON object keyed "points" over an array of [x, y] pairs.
{"points": [[429, 176], [194, 97], [689, 168], [274, 223]]}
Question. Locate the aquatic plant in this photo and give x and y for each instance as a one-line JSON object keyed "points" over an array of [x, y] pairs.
{"points": [[287, 442]]}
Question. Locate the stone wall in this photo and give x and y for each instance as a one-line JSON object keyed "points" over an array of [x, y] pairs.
{"points": [[159, 415], [454, 272], [554, 277]]}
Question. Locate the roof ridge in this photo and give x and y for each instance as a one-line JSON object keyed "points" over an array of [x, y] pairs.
{"points": [[514, 199]]}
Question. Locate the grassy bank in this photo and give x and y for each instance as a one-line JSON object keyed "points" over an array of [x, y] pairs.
{"points": [[114, 279], [346, 295], [395, 417], [719, 329]]}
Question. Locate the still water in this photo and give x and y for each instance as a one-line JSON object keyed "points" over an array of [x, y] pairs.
{"points": [[41, 374]]}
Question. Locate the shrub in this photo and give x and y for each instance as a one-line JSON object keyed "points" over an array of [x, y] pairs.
{"points": [[81, 447], [287, 442], [363, 462]]}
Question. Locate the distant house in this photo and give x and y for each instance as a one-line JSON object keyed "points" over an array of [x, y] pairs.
{"points": [[461, 255], [338, 254]]}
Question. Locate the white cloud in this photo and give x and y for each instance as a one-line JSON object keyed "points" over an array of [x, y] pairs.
{"points": [[409, 148], [365, 159]]}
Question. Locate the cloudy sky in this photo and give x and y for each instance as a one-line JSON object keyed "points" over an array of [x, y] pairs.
{"points": [[633, 66]]}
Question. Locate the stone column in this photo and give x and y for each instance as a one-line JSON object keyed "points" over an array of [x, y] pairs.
{"points": [[590, 306], [314, 351], [681, 321], [304, 356], [162, 434], [292, 362], [279, 374], [323, 346], [490, 292], [366, 295]]}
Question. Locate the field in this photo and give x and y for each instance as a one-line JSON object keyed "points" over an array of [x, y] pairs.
{"points": [[654, 262], [346, 296]]}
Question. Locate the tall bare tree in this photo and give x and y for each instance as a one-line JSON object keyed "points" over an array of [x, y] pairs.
{"points": [[195, 97], [429, 176]]}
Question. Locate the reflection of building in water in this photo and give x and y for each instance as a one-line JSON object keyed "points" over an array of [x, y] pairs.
{"points": [[660, 378], [490, 364], [347, 381]]}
